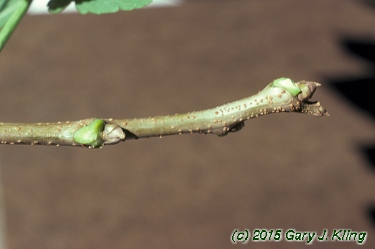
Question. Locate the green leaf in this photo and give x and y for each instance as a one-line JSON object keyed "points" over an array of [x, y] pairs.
{"points": [[108, 6], [57, 6], [7, 7], [11, 13]]}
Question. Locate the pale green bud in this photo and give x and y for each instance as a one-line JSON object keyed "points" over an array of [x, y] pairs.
{"points": [[288, 84], [91, 134]]}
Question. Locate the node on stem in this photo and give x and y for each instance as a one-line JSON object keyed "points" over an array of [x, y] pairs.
{"points": [[91, 135]]}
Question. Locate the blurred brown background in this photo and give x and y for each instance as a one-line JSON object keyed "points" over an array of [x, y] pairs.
{"points": [[191, 191]]}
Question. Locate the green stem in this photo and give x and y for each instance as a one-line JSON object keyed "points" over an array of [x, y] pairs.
{"points": [[282, 95], [230, 117], [20, 10]]}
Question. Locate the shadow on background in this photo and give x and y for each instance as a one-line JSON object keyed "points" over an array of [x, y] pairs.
{"points": [[359, 90], [369, 3], [370, 153], [371, 213]]}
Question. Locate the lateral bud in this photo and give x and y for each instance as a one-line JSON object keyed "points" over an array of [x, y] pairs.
{"points": [[113, 134]]}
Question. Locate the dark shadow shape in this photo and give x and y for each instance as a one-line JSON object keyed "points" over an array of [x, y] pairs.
{"points": [[359, 91], [369, 151], [371, 214], [363, 48], [369, 3]]}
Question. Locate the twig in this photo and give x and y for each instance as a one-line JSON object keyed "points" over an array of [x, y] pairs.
{"points": [[282, 95]]}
